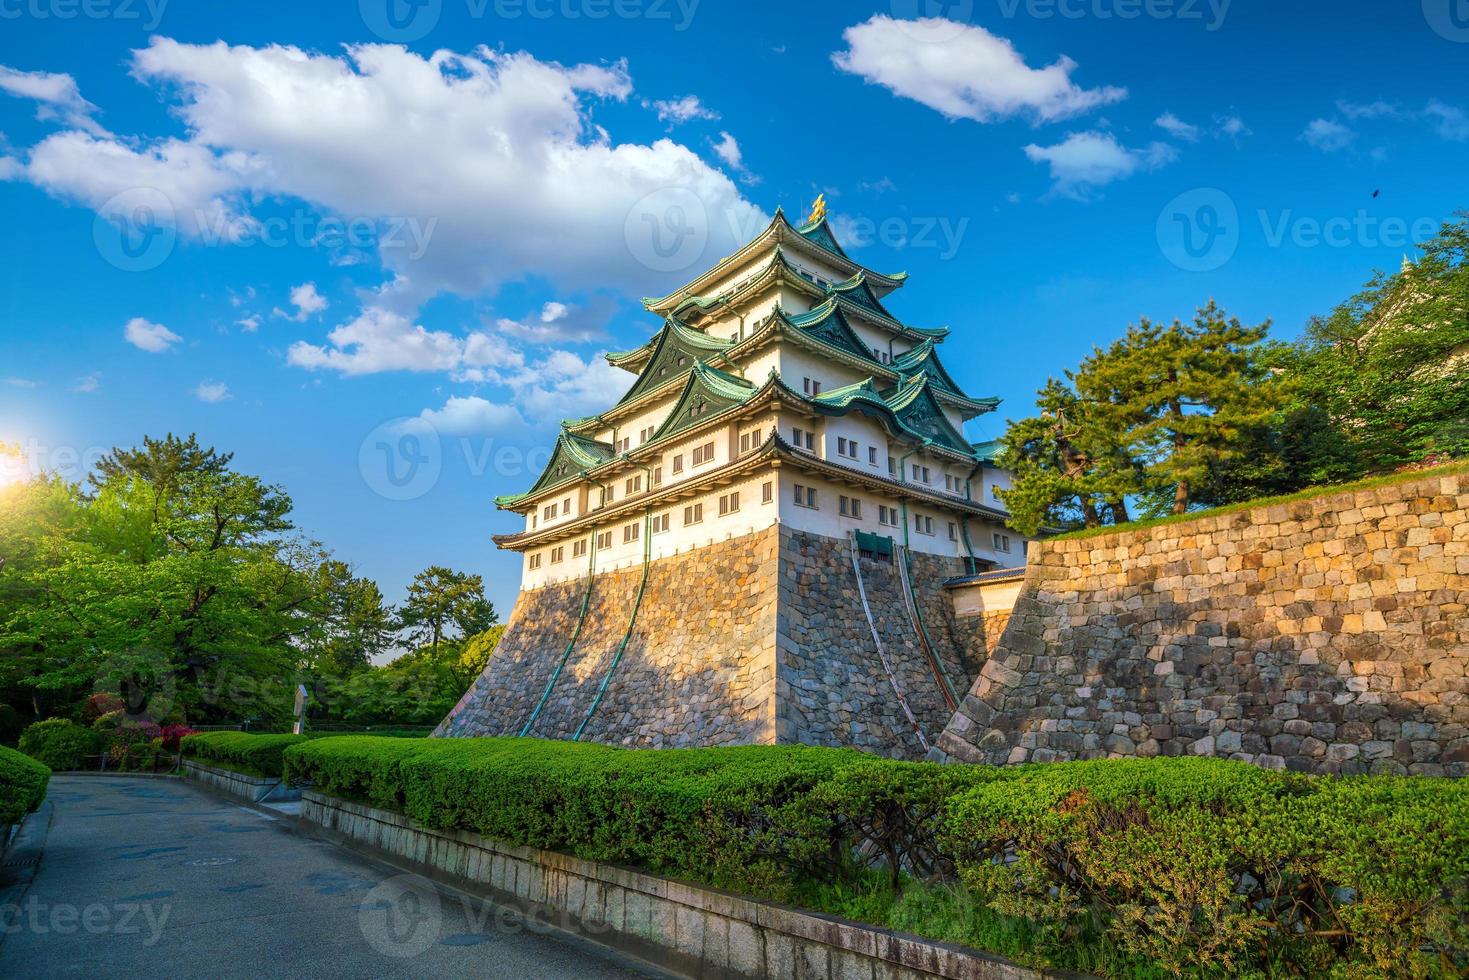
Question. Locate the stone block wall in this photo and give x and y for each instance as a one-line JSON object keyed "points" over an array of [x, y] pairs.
{"points": [[756, 640], [1325, 635]]}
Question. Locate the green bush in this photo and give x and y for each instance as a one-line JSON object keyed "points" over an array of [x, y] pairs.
{"points": [[1122, 867], [254, 755], [61, 744], [22, 785]]}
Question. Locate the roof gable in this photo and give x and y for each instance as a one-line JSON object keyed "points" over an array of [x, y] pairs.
{"points": [[914, 404], [572, 457], [707, 392], [676, 350]]}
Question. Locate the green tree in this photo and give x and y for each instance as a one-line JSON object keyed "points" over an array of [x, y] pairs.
{"points": [[1180, 400], [353, 625], [443, 604]]}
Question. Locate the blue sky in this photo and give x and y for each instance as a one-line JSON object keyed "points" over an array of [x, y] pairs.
{"points": [[269, 225]]}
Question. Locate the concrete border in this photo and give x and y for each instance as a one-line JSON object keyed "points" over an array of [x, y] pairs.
{"points": [[253, 789], [681, 927]]}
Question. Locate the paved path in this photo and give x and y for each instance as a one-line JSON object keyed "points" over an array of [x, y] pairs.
{"points": [[156, 878]]}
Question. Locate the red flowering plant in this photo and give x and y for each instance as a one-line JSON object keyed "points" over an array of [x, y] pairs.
{"points": [[170, 735]]}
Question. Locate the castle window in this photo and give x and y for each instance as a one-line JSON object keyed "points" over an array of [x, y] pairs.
{"points": [[921, 474], [872, 455], [535, 561], [631, 532], [805, 496], [887, 515], [558, 555], [624, 444], [703, 454], [657, 476], [609, 494], [566, 506], [729, 503], [1002, 542], [803, 438], [635, 485], [847, 448], [660, 523], [767, 492], [678, 464], [693, 514], [749, 441], [850, 507], [579, 548], [953, 531], [604, 540], [922, 524], [549, 512], [811, 386], [645, 435]]}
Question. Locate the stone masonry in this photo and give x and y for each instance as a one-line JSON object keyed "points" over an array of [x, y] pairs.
{"points": [[757, 640], [1326, 635]]}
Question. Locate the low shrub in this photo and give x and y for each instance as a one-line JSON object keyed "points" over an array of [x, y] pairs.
{"points": [[1121, 867], [22, 785], [61, 744], [254, 755]]}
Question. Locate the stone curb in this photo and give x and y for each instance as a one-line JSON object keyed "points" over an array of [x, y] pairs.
{"points": [[686, 928]]}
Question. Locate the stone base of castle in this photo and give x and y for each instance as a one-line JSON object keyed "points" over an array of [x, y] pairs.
{"points": [[761, 639]]}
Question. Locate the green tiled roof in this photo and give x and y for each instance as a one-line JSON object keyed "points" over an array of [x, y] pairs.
{"points": [[675, 351], [707, 392], [987, 451], [914, 403]]}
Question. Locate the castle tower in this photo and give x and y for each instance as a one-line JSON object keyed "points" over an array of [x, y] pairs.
{"points": [[751, 546]]}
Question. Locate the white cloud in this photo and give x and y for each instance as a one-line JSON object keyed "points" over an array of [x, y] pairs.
{"points": [[1328, 135], [22, 383], [729, 151], [1452, 123], [1177, 127], [485, 164], [1367, 110], [211, 392], [306, 300], [472, 415], [677, 111], [154, 338], [560, 323], [87, 384], [964, 71], [380, 340], [1084, 161], [248, 324], [61, 100], [1232, 127]]}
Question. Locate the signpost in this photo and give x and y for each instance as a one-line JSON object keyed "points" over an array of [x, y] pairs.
{"points": [[300, 710]]}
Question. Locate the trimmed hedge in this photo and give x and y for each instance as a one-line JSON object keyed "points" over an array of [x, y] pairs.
{"points": [[22, 785], [1188, 866], [254, 755], [61, 744]]}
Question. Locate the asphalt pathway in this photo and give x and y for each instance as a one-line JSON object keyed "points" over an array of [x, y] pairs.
{"points": [[157, 878]]}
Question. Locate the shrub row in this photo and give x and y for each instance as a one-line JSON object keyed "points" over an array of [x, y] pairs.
{"points": [[60, 744], [1194, 866], [22, 785], [254, 755]]}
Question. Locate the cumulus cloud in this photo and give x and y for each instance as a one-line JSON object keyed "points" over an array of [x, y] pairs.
{"points": [[1328, 135], [471, 415], [540, 394], [1085, 161], [59, 97], [476, 168], [307, 302], [1177, 127], [211, 392], [560, 323], [964, 71], [379, 340], [682, 110], [154, 338], [728, 150]]}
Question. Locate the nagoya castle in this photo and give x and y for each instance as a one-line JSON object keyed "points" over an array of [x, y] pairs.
{"points": [[753, 545]]}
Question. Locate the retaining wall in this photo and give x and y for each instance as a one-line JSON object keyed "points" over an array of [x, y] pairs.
{"points": [[1323, 635]]}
